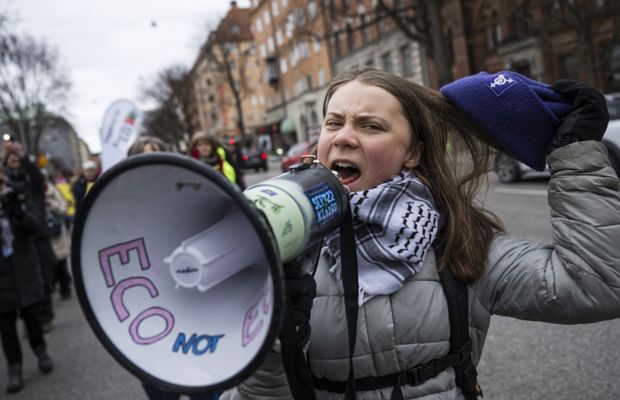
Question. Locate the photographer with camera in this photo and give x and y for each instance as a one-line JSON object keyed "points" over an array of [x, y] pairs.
{"points": [[21, 281]]}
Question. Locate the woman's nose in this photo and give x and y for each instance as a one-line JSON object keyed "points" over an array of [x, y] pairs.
{"points": [[346, 137]]}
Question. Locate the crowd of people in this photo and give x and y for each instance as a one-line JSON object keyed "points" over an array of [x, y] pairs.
{"points": [[428, 265], [37, 210]]}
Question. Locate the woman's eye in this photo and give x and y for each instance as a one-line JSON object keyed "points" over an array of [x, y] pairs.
{"points": [[332, 124], [373, 127]]}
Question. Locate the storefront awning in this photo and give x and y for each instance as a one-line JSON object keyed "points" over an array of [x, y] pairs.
{"points": [[287, 127]]}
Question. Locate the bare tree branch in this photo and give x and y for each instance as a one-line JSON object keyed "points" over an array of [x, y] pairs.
{"points": [[171, 92], [32, 84]]}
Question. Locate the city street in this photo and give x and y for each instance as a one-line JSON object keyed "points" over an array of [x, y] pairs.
{"points": [[522, 360]]}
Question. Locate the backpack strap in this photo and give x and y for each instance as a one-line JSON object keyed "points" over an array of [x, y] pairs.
{"points": [[458, 311]]}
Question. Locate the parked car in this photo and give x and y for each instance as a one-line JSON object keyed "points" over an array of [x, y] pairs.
{"points": [[255, 159], [509, 170], [294, 154]]}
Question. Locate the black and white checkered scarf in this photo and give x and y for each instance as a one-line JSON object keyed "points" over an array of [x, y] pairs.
{"points": [[394, 224]]}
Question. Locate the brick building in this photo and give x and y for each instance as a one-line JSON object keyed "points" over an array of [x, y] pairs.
{"points": [[295, 66], [544, 39], [299, 45], [225, 81]]}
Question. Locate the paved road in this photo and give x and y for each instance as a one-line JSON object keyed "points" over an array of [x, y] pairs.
{"points": [[522, 360]]}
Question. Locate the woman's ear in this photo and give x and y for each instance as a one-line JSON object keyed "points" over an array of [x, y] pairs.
{"points": [[413, 156]]}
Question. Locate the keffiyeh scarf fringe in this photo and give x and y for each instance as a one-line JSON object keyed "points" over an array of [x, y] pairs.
{"points": [[394, 224]]}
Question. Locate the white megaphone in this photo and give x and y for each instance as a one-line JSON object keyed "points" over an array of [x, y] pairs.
{"points": [[180, 274]]}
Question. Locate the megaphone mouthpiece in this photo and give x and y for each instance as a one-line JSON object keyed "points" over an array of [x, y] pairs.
{"points": [[215, 254]]}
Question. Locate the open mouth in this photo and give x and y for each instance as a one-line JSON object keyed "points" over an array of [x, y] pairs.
{"points": [[347, 172]]}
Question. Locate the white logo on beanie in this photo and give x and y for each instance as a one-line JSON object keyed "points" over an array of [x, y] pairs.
{"points": [[501, 80], [499, 83]]}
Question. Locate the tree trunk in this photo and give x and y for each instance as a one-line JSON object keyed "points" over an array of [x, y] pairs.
{"points": [[440, 52]]}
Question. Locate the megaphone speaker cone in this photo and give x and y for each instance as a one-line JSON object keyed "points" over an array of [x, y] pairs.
{"points": [[176, 273]]}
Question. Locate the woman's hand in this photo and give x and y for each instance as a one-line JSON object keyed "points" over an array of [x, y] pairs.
{"points": [[589, 118]]}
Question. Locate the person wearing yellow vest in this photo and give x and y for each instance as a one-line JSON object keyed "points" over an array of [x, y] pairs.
{"points": [[84, 182], [207, 149], [64, 188]]}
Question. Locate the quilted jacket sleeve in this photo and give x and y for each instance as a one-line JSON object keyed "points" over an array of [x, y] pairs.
{"points": [[576, 279], [268, 382]]}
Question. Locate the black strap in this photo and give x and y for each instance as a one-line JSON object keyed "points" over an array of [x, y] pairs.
{"points": [[458, 311], [348, 263], [293, 359], [412, 377]]}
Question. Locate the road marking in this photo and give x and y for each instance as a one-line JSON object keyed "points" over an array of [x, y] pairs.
{"points": [[529, 192]]}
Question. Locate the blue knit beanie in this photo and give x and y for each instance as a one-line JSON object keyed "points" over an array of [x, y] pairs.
{"points": [[521, 114]]}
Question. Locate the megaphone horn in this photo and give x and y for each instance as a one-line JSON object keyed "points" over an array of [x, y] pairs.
{"points": [[180, 274]]}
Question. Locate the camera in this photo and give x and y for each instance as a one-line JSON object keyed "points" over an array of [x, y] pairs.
{"points": [[12, 194]]}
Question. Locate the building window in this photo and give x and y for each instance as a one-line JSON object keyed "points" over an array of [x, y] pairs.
{"points": [[350, 38], [234, 29], [612, 71], [381, 25], [493, 33], [274, 8], [304, 49], [316, 44], [321, 77], [336, 44], [406, 61], [299, 86], [569, 66], [364, 28], [311, 9], [270, 45], [294, 57], [259, 26], [262, 51], [308, 82], [279, 38], [386, 62], [230, 47], [266, 18], [283, 65]]}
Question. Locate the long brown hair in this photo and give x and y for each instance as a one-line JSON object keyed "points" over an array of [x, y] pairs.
{"points": [[454, 176]]}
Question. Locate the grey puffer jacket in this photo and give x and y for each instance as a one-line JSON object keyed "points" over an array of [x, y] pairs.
{"points": [[574, 280]]}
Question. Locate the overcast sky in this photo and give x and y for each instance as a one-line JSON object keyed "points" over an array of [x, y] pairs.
{"points": [[110, 46]]}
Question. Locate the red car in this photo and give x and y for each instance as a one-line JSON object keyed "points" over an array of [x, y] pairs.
{"points": [[294, 154]]}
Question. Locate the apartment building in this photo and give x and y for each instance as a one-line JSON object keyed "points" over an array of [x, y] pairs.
{"points": [[295, 65], [225, 81], [363, 36]]}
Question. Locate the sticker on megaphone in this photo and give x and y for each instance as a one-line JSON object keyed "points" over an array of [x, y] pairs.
{"points": [[301, 206]]}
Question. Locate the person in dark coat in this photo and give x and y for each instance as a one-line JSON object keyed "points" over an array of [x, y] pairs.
{"points": [[22, 172], [21, 282]]}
